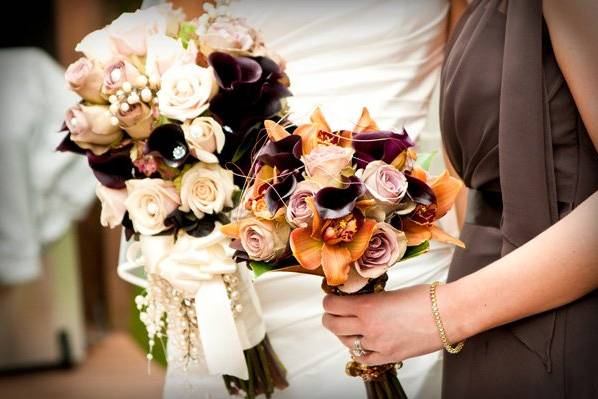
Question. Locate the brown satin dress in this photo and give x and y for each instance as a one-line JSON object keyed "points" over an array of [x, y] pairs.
{"points": [[512, 130]]}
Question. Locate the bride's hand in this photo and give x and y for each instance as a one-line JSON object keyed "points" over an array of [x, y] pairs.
{"points": [[394, 325]]}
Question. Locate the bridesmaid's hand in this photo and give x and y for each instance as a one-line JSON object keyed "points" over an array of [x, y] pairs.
{"points": [[394, 325]]}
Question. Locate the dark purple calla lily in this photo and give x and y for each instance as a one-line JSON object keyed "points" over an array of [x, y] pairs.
{"points": [[68, 145], [168, 142], [334, 203], [380, 145], [251, 90], [424, 198], [278, 193], [283, 154], [113, 168]]}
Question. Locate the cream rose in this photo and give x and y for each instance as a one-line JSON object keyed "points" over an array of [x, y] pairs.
{"points": [[264, 240], [206, 188], [85, 78], [149, 202], [324, 164], [165, 51], [205, 137], [185, 91], [97, 46], [136, 120], [130, 31], [90, 127], [113, 205]]}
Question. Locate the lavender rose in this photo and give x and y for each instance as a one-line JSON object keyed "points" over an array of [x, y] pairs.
{"points": [[387, 185], [136, 120], [324, 164], [149, 202], [118, 73], [299, 214], [264, 240], [232, 34], [387, 246], [91, 129], [85, 78]]}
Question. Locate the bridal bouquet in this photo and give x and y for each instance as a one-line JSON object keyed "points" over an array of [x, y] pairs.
{"points": [[348, 204], [167, 105]]}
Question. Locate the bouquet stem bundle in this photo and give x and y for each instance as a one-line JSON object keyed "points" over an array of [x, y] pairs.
{"points": [[266, 373], [380, 381]]}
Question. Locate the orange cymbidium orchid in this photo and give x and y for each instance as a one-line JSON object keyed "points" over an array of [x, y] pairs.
{"points": [[318, 132], [256, 201], [333, 244], [446, 189]]}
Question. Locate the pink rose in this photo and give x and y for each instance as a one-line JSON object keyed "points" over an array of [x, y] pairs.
{"points": [[113, 205], [324, 164], [387, 246], [264, 240], [118, 73], [299, 214], [136, 120], [149, 202], [90, 127], [85, 78], [205, 137]]}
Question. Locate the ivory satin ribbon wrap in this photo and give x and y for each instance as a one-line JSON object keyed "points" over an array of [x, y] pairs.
{"points": [[195, 267]]}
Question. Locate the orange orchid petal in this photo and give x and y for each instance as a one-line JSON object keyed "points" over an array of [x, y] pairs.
{"points": [[306, 250], [446, 188], [275, 131], [419, 173], [309, 137], [231, 229], [317, 118], [316, 223], [336, 262], [416, 234], [439, 235], [347, 138], [365, 122], [361, 239]]}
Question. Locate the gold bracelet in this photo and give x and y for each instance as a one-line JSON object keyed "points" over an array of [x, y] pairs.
{"points": [[447, 346]]}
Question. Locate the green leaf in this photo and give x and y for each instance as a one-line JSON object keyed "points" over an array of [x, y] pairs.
{"points": [[260, 268], [418, 250], [187, 31], [424, 160]]}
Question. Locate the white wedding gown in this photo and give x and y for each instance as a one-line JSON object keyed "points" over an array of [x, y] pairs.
{"points": [[342, 55]]}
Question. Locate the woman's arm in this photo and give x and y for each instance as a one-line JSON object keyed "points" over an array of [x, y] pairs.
{"points": [[555, 268]]}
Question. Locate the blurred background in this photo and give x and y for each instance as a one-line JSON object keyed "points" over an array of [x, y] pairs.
{"points": [[68, 327]]}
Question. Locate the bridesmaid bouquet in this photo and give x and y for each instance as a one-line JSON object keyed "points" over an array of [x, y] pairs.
{"points": [[166, 105], [345, 204]]}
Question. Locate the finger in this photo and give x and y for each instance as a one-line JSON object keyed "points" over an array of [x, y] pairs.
{"points": [[349, 342], [342, 325], [339, 305]]}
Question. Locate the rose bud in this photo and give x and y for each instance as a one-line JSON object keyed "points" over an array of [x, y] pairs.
{"points": [[113, 205], [204, 137], [118, 73], [85, 78], [136, 120], [90, 127]]}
